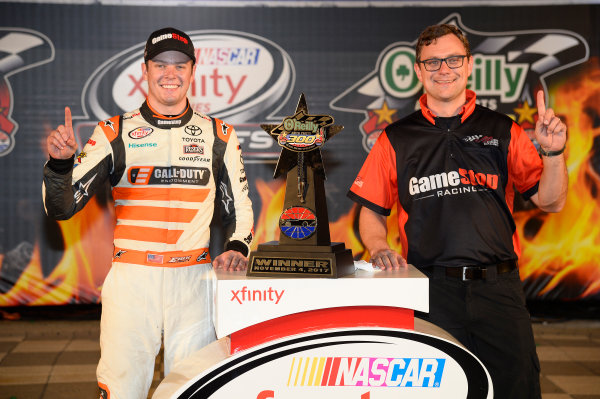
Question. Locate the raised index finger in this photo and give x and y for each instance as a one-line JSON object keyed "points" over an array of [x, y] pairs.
{"points": [[68, 119], [541, 103]]}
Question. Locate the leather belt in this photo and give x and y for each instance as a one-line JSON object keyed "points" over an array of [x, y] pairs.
{"points": [[466, 273]]}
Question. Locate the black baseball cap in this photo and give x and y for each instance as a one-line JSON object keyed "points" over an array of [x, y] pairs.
{"points": [[169, 39]]}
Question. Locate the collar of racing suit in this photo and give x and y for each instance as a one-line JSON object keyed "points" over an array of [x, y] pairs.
{"points": [[163, 121], [465, 111]]}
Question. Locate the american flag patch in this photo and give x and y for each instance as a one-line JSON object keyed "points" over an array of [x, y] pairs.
{"points": [[154, 258]]}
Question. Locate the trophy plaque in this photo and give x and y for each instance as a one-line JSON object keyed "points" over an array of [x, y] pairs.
{"points": [[304, 248]]}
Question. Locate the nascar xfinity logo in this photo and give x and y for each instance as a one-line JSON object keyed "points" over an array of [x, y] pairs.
{"points": [[241, 78], [229, 56], [20, 49], [366, 372], [508, 68]]}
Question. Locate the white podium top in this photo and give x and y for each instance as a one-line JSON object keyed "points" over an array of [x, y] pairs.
{"points": [[243, 301]]}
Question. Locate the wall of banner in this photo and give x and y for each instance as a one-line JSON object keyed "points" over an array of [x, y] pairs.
{"points": [[354, 63]]}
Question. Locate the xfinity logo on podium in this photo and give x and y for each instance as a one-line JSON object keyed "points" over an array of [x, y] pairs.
{"points": [[266, 295], [350, 363]]}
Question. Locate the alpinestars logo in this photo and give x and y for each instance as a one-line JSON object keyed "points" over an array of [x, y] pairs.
{"points": [[226, 198], [82, 190], [202, 256], [508, 69], [110, 124], [20, 49]]}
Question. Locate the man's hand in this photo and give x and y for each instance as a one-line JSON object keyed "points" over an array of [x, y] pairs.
{"points": [[230, 260], [387, 259], [373, 232], [550, 131], [61, 142]]}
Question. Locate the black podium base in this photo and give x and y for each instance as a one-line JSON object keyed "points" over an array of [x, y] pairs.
{"points": [[313, 261]]}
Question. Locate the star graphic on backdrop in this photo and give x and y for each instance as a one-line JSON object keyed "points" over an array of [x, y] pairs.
{"points": [[525, 113], [288, 158], [384, 113]]}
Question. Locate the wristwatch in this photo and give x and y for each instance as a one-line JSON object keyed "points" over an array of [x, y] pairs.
{"points": [[552, 153]]}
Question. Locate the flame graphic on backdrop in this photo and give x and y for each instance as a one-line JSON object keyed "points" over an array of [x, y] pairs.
{"points": [[563, 255], [271, 197], [560, 251], [78, 276]]}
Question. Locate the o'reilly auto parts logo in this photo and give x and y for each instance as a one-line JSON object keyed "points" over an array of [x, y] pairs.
{"points": [[240, 78], [353, 363], [508, 68]]}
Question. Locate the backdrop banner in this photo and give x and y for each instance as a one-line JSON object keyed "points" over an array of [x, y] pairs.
{"points": [[353, 63]]}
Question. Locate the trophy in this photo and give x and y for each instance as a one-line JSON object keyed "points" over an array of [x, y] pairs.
{"points": [[304, 248]]}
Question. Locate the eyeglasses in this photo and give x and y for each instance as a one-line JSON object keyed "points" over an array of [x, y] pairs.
{"points": [[434, 64]]}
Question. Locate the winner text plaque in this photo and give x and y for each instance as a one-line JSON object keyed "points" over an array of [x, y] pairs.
{"points": [[304, 248]]}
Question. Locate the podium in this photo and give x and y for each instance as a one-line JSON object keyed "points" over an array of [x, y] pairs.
{"points": [[351, 337]]}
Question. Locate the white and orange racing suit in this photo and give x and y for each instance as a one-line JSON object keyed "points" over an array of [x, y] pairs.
{"points": [[166, 174]]}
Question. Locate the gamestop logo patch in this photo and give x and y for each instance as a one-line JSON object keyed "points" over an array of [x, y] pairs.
{"points": [[451, 183], [348, 363]]}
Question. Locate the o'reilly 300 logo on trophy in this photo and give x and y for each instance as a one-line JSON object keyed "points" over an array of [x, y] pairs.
{"points": [[302, 135], [304, 248]]}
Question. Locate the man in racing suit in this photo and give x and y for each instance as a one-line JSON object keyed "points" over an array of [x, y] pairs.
{"points": [[451, 168], [167, 165]]}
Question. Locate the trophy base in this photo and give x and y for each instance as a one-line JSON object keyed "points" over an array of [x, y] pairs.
{"points": [[313, 261]]}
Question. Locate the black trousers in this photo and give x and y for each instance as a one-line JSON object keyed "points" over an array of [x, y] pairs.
{"points": [[490, 319]]}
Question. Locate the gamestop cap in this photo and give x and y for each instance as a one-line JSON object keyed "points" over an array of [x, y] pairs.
{"points": [[169, 39]]}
